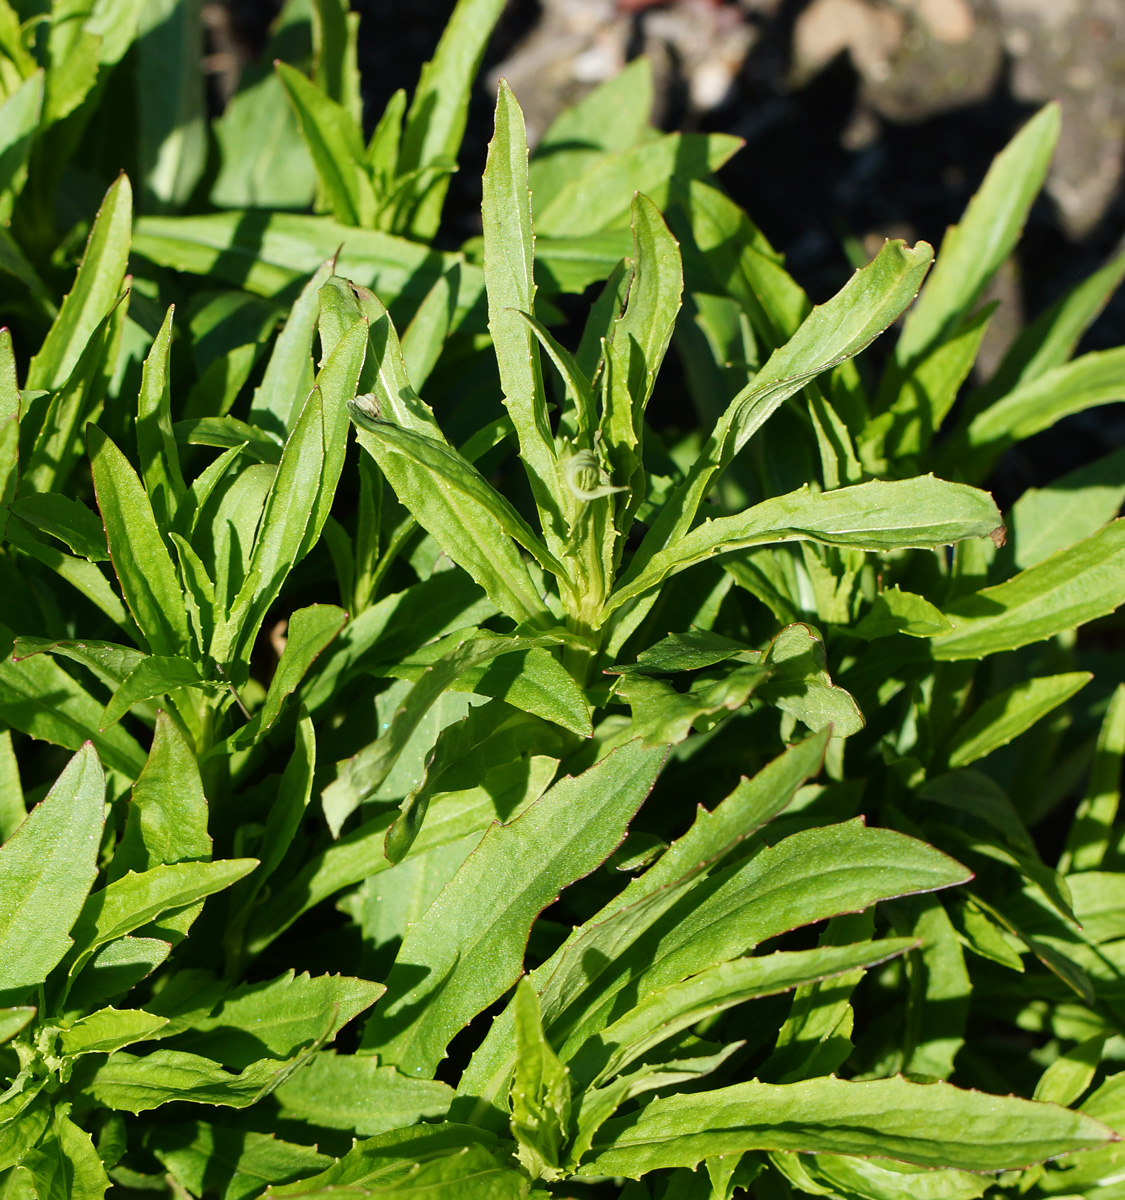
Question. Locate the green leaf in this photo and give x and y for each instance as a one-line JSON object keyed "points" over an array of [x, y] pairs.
{"points": [[65, 1165], [19, 122], [13, 806], [362, 775], [829, 335], [156, 447], [239, 1163], [663, 715], [1071, 1074], [10, 402], [289, 506], [931, 1125], [265, 163], [600, 197], [96, 286], [540, 1097], [1094, 379], [806, 877], [117, 968], [38, 697], [436, 120], [360, 855], [614, 116], [895, 611], [14, 1019], [310, 630], [275, 1019], [267, 253], [1091, 829], [139, 1083], [46, 870], [336, 145], [508, 274], [1064, 591], [140, 557], [492, 902], [109, 1029], [353, 1092], [1050, 339], [134, 900], [920, 512], [289, 375], [228, 432], [154, 675], [1070, 508], [167, 818], [107, 660], [974, 249], [444, 1161], [573, 967], [466, 516], [665, 1012], [57, 445], [170, 102], [799, 683], [1012, 712], [76, 526]]}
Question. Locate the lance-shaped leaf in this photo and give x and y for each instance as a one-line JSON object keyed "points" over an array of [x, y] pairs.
{"points": [[275, 1019], [443, 1161], [665, 1012], [1091, 830], [38, 697], [973, 250], [139, 1083], [156, 446], [1005, 716], [95, 287], [540, 1096], [140, 557], [576, 964], [468, 948], [134, 900], [336, 145], [1066, 590], [46, 870], [361, 855], [75, 525], [831, 334], [931, 1125], [806, 877], [509, 278], [110, 1029], [1087, 382], [167, 818], [600, 197], [199, 1155], [466, 516], [879, 515], [353, 1092], [362, 774], [436, 120], [289, 509], [310, 631], [154, 675], [289, 374]]}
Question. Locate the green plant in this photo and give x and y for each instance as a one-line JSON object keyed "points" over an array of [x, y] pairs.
{"points": [[482, 752]]}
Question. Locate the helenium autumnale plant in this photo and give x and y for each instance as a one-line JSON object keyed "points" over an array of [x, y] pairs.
{"points": [[473, 699]]}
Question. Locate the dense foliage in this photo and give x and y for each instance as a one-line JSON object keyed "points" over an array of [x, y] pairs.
{"points": [[520, 794]]}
